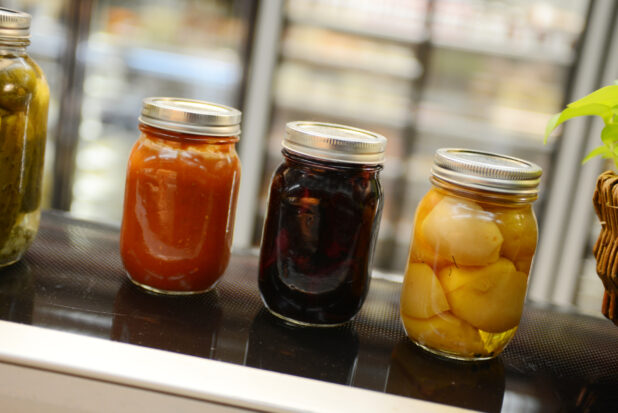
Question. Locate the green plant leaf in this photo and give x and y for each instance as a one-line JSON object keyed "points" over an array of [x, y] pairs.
{"points": [[605, 111], [609, 134], [599, 150], [607, 96], [551, 125], [602, 102]]}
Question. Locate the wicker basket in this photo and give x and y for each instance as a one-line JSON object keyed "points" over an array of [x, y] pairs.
{"points": [[605, 201]]}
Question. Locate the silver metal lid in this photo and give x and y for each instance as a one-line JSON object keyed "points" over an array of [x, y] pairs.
{"points": [[334, 142], [190, 116], [14, 24], [486, 171]]}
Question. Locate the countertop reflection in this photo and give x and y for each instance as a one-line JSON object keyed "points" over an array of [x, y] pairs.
{"points": [[180, 324], [72, 279], [328, 354], [415, 373]]}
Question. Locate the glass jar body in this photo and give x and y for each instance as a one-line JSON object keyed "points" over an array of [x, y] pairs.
{"points": [[179, 209], [318, 240], [466, 279], [24, 104]]}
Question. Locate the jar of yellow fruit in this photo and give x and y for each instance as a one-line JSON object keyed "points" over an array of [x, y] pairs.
{"points": [[473, 240]]}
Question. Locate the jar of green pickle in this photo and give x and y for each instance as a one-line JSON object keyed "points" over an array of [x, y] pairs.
{"points": [[472, 246], [24, 99]]}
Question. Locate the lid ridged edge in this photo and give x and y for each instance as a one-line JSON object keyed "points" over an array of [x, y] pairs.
{"points": [[334, 142], [190, 116], [486, 171], [14, 24]]}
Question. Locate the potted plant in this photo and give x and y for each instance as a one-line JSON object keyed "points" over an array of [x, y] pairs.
{"points": [[604, 103]]}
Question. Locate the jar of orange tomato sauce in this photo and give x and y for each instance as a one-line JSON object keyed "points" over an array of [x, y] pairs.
{"points": [[472, 246], [180, 196]]}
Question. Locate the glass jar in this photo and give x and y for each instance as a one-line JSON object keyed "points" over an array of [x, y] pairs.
{"points": [[322, 223], [24, 99], [180, 196], [472, 246]]}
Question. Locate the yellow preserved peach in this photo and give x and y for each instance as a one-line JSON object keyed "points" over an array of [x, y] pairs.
{"points": [[523, 264], [445, 333], [462, 232], [429, 201], [421, 293], [519, 229], [421, 252], [490, 298]]}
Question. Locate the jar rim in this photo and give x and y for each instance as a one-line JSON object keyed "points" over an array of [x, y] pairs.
{"points": [[334, 142], [14, 25], [190, 116], [486, 171]]}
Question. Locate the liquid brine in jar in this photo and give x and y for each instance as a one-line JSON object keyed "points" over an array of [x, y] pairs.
{"points": [[474, 238], [321, 224], [24, 100]]}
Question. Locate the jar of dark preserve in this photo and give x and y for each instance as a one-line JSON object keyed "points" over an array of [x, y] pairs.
{"points": [[322, 223]]}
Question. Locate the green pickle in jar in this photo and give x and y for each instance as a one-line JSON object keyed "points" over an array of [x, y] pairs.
{"points": [[24, 100], [472, 247]]}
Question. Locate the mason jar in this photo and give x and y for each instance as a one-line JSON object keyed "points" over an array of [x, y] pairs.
{"points": [[321, 223], [24, 100], [474, 237], [180, 196]]}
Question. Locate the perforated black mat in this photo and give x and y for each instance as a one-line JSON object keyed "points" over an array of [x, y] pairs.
{"points": [[72, 279]]}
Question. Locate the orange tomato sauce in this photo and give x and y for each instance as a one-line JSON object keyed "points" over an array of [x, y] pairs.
{"points": [[180, 202]]}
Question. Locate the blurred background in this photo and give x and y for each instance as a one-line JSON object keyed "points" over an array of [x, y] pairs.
{"points": [[479, 74]]}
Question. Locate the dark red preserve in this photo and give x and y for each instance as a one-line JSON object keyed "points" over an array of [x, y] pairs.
{"points": [[322, 223]]}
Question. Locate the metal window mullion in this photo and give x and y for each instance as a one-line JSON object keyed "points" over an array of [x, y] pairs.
{"points": [[79, 13], [257, 115], [579, 224], [562, 188]]}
